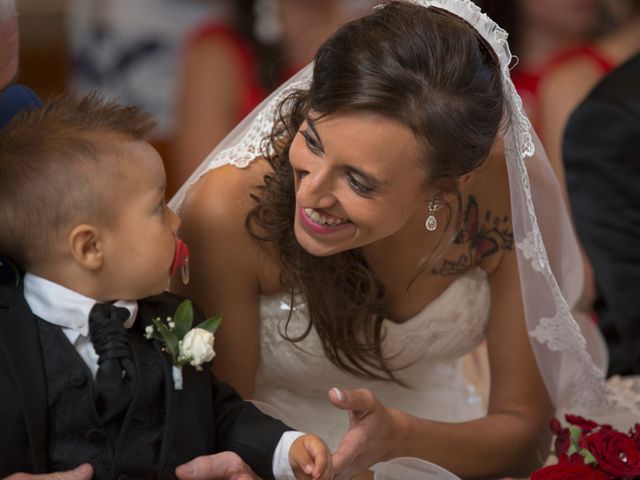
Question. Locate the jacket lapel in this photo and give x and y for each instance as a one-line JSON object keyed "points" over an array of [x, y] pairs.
{"points": [[21, 342], [188, 427], [145, 313]]}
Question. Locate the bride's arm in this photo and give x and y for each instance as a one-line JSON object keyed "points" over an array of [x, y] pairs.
{"points": [[510, 441], [224, 269]]}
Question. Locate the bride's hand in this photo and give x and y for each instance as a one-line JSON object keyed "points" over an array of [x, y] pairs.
{"points": [[374, 431], [219, 466]]}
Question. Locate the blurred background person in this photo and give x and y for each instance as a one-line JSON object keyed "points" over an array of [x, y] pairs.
{"points": [[568, 84], [130, 51], [13, 96], [542, 34], [601, 151], [230, 67]]}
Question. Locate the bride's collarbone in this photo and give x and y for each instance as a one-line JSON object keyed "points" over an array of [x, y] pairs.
{"points": [[405, 301], [410, 288]]}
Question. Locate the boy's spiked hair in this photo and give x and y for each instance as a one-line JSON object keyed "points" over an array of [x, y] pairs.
{"points": [[53, 163]]}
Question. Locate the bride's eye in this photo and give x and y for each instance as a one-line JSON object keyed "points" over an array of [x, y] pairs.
{"points": [[311, 142], [358, 186]]}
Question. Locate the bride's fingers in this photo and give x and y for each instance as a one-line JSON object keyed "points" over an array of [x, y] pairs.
{"points": [[349, 452], [360, 401]]}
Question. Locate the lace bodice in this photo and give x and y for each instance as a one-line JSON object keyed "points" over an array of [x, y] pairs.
{"points": [[294, 378]]}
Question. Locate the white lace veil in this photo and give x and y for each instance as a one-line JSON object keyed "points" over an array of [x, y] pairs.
{"points": [[549, 261]]}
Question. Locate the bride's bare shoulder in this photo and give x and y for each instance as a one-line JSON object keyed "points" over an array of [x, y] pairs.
{"points": [[213, 217], [215, 209], [224, 194]]}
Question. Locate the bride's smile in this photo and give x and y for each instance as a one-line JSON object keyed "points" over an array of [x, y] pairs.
{"points": [[320, 218]]}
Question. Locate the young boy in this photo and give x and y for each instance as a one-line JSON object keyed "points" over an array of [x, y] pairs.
{"points": [[82, 211]]}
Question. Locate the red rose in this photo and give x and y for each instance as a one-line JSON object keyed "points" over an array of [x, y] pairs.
{"points": [[634, 433], [556, 426], [583, 423], [568, 472], [616, 453], [562, 441]]}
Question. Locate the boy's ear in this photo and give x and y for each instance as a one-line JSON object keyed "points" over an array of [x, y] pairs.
{"points": [[86, 246]]}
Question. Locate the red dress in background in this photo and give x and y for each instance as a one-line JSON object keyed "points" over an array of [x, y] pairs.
{"points": [[252, 91], [527, 81]]}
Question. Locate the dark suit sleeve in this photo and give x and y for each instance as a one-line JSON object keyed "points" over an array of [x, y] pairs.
{"points": [[241, 427], [602, 158], [23, 409], [231, 425], [244, 429]]}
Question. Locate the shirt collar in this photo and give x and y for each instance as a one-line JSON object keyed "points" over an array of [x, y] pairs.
{"points": [[66, 308]]}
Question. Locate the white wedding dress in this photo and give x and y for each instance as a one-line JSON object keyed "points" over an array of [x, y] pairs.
{"points": [[294, 378]]}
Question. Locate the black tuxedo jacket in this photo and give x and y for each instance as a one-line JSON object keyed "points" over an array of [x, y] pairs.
{"points": [[205, 417], [601, 152]]}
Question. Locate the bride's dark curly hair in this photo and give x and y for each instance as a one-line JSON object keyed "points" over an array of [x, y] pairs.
{"points": [[423, 67]]}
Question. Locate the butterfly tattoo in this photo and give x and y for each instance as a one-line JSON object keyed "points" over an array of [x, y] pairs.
{"points": [[484, 238]]}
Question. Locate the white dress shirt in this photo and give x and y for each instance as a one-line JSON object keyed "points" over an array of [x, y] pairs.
{"points": [[70, 311]]}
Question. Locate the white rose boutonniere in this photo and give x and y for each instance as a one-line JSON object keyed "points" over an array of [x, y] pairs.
{"points": [[185, 345], [197, 347]]}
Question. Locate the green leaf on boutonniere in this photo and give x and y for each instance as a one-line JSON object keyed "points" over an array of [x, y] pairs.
{"points": [[574, 437], [183, 319], [169, 338], [185, 345], [211, 324], [588, 456], [574, 434]]}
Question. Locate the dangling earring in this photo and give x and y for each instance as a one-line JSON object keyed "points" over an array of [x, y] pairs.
{"points": [[432, 223]]}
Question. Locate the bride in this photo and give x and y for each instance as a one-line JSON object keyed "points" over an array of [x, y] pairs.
{"points": [[373, 222]]}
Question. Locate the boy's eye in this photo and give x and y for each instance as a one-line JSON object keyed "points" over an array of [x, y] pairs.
{"points": [[358, 186], [161, 205], [311, 142]]}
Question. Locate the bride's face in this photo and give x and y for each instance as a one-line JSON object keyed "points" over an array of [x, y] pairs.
{"points": [[358, 180]]}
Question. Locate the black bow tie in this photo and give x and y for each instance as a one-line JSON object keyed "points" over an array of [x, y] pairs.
{"points": [[116, 373]]}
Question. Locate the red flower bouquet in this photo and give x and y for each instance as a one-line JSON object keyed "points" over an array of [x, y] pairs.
{"points": [[589, 450]]}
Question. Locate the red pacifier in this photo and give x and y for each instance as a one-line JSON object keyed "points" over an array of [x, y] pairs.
{"points": [[181, 261]]}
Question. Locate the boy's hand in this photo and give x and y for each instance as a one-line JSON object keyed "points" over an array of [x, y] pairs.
{"points": [[310, 458]]}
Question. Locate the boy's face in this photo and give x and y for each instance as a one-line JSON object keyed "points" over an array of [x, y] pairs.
{"points": [[140, 244]]}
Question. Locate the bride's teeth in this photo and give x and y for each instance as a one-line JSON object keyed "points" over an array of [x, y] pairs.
{"points": [[321, 219]]}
